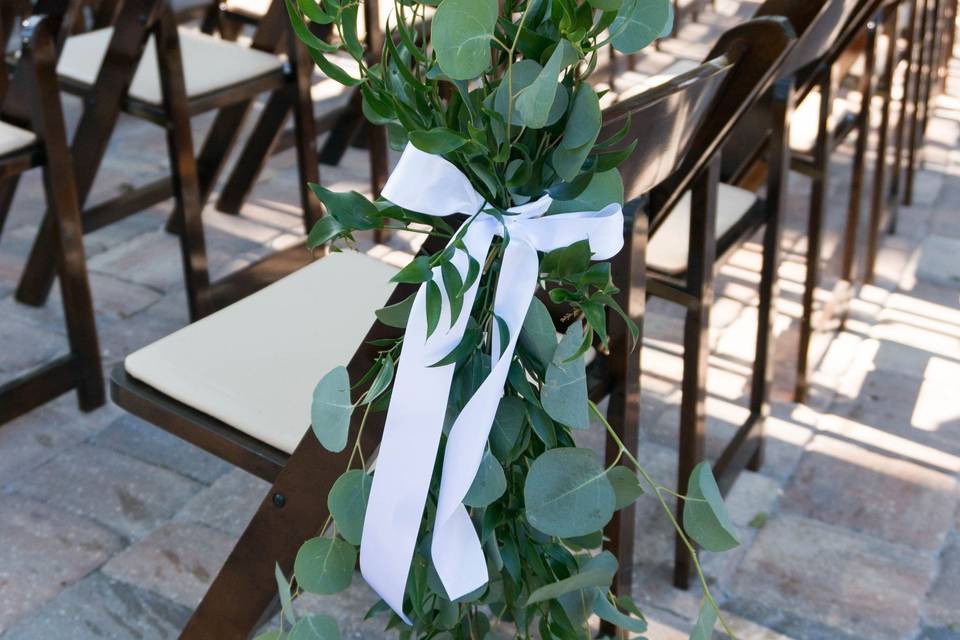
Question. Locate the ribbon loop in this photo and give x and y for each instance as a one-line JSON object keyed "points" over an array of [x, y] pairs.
{"points": [[429, 184]]}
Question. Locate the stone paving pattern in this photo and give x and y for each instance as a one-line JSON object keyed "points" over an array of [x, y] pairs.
{"points": [[111, 528]]}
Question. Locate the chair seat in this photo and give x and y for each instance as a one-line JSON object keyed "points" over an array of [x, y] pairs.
{"points": [[806, 118], [14, 138], [254, 364], [210, 64], [668, 248]]}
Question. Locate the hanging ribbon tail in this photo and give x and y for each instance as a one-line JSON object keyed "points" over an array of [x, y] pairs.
{"points": [[418, 405]]}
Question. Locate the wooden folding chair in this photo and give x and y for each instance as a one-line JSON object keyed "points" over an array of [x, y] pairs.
{"points": [[145, 66], [32, 134], [683, 216], [343, 126]]}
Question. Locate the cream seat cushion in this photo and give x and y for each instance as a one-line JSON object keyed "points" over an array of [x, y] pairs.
{"points": [[806, 117], [254, 364], [209, 63], [668, 248], [14, 138]]}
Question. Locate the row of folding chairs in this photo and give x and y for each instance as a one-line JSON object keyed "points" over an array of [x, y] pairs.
{"points": [[131, 57], [710, 172]]}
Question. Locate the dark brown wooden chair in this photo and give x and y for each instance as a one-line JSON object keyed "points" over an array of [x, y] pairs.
{"points": [[341, 125], [273, 445], [32, 134], [696, 221], [145, 66]]}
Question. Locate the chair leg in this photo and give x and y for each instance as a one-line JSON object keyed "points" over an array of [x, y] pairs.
{"points": [[183, 166], [696, 333], [891, 27], [623, 410], [63, 203], [933, 70], [918, 83], [818, 196], [308, 165], [852, 231], [894, 195], [8, 188], [256, 152]]}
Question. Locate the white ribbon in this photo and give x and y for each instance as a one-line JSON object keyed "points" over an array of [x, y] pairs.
{"points": [[429, 184]]}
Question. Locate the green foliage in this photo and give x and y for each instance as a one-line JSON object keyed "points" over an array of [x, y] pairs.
{"points": [[325, 565], [567, 493], [501, 90], [706, 620], [331, 410], [347, 502], [705, 517]]}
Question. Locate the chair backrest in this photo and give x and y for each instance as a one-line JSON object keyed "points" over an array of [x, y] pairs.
{"points": [[817, 23], [679, 125]]}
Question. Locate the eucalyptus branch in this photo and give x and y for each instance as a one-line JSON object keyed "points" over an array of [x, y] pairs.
{"points": [[673, 520]]}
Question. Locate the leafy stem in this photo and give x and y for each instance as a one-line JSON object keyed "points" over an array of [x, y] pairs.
{"points": [[658, 490]]}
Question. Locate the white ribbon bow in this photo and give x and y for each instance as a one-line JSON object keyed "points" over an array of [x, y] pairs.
{"points": [[429, 184]]}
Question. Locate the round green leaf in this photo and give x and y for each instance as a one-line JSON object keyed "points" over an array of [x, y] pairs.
{"points": [[564, 394], [523, 75], [604, 188], [489, 483], [626, 486], [461, 34], [325, 565], [705, 517], [331, 410], [347, 502], [638, 23], [315, 627], [567, 493]]}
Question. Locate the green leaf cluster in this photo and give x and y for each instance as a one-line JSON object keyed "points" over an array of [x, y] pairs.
{"points": [[500, 89]]}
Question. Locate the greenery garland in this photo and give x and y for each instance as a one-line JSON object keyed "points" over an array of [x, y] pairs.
{"points": [[476, 81]]}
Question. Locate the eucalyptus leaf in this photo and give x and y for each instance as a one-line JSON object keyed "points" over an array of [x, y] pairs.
{"points": [[521, 76], [564, 393], [506, 428], [567, 493], [326, 229], [273, 634], [596, 572], [705, 517], [538, 337], [489, 483], [331, 410], [605, 610], [626, 486], [706, 620], [534, 102], [347, 502], [325, 565], [315, 627], [461, 34], [437, 141], [604, 189], [640, 22], [396, 315]]}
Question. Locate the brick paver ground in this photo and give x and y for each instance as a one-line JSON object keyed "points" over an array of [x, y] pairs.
{"points": [[110, 528]]}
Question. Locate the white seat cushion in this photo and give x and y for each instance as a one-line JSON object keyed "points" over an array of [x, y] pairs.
{"points": [[806, 120], [668, 248], [254, 364], [14, 138], [209, 63]]}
